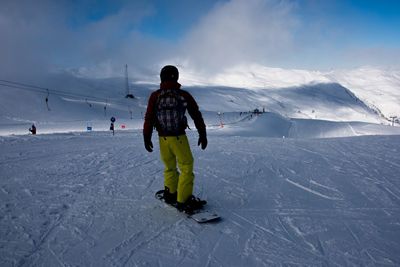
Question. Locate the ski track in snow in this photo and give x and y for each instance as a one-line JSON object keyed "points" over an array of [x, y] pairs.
{"points": [[88, 200], [310, 190]]}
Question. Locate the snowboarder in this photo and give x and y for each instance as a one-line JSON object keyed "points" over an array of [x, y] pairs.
{"points": [[166, 112], [33, 129]]}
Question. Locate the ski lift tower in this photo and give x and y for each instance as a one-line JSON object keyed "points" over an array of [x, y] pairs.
{"points": [[393, 119], [128, 94]]}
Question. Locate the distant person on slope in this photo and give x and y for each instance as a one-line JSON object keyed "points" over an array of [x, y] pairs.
{"points": [[166, 112], [33, 129]]}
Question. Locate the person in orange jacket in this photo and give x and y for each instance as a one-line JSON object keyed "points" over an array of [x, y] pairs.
{"points": [[166, 112]]}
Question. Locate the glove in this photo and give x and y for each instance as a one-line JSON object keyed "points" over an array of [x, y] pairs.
{"points": [[202, 141], [148, 144]]}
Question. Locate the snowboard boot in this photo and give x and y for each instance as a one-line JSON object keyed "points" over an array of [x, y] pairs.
{"points": [[169, 198], [191, 205]]}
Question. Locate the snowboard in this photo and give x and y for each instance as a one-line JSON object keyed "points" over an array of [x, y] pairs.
{"points": [[200, 216]]}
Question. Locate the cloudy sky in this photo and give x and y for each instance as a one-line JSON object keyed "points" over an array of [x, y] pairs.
{"points": [[99, 37]]}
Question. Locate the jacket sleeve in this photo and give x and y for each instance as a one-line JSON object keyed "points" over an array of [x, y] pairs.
{"points": [[149, 117], [195, 113]]}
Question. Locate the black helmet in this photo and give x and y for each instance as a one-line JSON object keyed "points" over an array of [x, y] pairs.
{"points": [[169, 73]]}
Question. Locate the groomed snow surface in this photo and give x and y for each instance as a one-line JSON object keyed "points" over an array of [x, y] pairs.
{"points": [[87, 199], [313, 181]]}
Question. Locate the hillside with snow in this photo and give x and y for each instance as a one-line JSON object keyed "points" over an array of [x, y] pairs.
{"points": [[75, 102], [379, 89], [311, 180]]}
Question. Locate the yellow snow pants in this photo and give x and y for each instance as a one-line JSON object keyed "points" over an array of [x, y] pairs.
{"points": [[176, 150]]}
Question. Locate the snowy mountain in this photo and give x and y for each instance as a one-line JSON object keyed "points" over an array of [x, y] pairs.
{"points": [[75, 102], [379, 89], [289, 191]]}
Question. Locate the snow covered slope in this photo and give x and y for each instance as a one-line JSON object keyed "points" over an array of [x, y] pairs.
{"points": [[91, 102], [88, 200], [315, 101], [377, 88], [73, 104], [288, 192]]}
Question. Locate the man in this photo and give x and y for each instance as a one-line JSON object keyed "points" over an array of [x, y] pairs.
{"points": [[33, 129], [166, 112]]}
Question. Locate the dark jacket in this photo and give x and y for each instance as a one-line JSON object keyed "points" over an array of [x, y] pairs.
{"points": [[33, 129], [150, 119]]}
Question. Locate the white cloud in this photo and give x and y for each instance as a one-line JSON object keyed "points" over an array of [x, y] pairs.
{"points": [[241, 31], [37, 36], [40, 35], [28, 32]]}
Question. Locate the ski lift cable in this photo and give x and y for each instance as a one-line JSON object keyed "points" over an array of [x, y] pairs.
{"points": [[53, 91], [39, 89], [34, 88], [59, 93], [22, 88], [24, 84], [47, 91]]}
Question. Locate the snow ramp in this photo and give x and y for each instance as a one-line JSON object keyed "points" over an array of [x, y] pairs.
{"points": [[274, 125]]}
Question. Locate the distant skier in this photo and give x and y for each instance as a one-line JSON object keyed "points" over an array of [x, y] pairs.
{"points": [[112, 125], [166, 112], [33, 129]]}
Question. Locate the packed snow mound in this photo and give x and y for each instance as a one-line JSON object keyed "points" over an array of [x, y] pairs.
{"points": [[305, 128], [267, 125], [276, 126]]}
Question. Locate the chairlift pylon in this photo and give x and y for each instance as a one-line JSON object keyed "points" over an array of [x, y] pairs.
{"points": [[127, 91], [105, 109], [47, 100], [87, 102]]}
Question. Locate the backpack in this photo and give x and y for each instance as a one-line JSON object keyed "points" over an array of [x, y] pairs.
{"points": [[170, 110]]}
